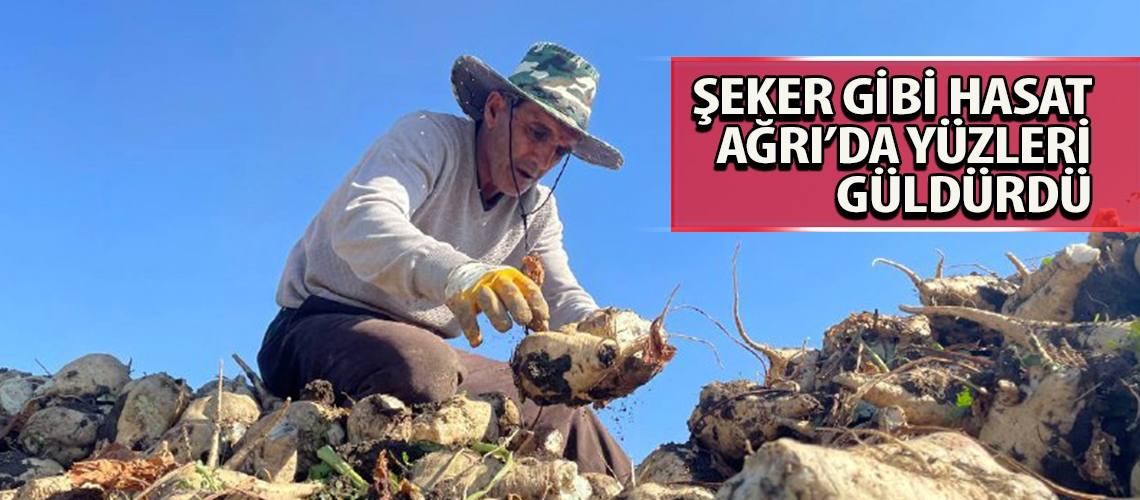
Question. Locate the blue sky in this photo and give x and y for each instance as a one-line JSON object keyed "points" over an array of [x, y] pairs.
{"points": [[159, 159]]}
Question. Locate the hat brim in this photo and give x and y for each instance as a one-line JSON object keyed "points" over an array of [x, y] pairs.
{"points": [[472, 81]]}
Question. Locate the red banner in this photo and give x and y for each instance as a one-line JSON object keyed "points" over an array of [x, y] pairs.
{"points": [[993, 144]]}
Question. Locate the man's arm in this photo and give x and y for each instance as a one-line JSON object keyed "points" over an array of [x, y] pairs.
{"points": [[373, 233]]}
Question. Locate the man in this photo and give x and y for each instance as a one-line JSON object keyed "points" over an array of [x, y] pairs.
{"points": [[428, 231]]}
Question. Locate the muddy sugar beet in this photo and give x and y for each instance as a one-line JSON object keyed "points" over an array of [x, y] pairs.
{"points": [[606, 356]]}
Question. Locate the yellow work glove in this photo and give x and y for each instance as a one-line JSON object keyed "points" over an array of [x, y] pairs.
{"points": [[494, 290]]}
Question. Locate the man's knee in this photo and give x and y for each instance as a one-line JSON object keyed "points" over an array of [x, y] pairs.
{"points": [[433, 373], [421, 368]]}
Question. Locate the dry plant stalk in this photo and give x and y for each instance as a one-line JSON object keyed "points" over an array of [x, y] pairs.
{"points": [[778, 363], [532, 267], [216, 438], [236, 460], [1017, 264], [263, 395]]}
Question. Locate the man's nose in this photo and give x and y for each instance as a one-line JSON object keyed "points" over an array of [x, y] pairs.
{"points": [[552, 155], [546, 165]]}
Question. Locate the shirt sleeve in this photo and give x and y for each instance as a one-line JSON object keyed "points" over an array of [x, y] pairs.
{"points": [[568, 301], [373, 233]]}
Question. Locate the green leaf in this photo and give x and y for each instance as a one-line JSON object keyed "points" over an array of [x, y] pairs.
{"points": [[320, 472], [1033, 360], [330, 457], [1046, 261], [965, 398], [1096, 317], [207, 476]]}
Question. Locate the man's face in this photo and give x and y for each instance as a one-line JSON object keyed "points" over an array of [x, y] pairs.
{"points": [[539, 142]]}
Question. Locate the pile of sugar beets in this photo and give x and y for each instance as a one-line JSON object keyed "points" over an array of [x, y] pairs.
{"points": [[1023, 386]]}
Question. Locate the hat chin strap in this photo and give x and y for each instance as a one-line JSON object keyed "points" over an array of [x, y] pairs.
{"points": [[514, 177]]}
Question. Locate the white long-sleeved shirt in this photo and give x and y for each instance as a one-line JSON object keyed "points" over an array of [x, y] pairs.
{"points": [[407, 215]]}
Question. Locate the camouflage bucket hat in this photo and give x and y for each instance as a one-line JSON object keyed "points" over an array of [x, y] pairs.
{"points": [[553, 77]]}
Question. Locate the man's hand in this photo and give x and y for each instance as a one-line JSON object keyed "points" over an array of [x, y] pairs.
{"points": [[494, 290]]}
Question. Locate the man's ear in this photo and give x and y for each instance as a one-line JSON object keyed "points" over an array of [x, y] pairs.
{"points": [[493, 108]]}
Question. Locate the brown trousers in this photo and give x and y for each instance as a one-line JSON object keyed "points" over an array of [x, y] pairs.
{"points": [[362, 353]]}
